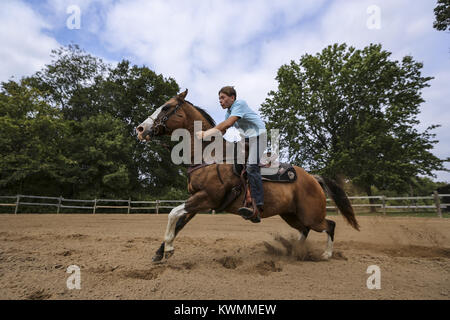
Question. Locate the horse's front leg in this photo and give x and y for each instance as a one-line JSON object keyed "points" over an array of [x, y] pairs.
{"points": [[159, 255], [197, 202], [174, 215]]}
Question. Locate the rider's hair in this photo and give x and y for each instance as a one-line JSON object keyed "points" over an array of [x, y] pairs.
{"points": [[229, 91]]}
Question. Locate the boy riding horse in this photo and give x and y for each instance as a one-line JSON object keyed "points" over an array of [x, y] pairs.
{"points": [[240, 116]]}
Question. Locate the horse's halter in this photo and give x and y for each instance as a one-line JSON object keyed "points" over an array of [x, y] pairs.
{"points": [[163, 120]]}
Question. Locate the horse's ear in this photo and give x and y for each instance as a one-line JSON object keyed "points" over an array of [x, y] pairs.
{"points": [[183, 95]]}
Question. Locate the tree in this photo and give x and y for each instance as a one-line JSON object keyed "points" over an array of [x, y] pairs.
{"points": [[132, 94], [92, 110], [100, 151], [442, 15], [352, 113], [68, 81], [32, 137]]}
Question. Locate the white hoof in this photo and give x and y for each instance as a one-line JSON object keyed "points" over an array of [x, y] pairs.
{"points": [[326, 255], [168, 254]]}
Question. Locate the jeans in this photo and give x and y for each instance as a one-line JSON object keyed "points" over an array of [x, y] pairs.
{"points": [[256, 149]]}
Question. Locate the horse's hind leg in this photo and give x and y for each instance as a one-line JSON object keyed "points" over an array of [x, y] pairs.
{"points": [[327, 226], [292, 220], [303, 235]]}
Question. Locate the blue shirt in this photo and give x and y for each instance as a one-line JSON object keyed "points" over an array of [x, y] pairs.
{"points": [[249, 121]]}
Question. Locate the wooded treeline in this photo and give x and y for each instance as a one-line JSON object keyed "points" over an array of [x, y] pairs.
{"points": [[69, 129]]}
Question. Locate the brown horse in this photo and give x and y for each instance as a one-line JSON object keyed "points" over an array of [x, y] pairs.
{"points": [[302, 203]]}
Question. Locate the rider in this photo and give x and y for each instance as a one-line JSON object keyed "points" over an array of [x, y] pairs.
{"points": [[240, 116]]}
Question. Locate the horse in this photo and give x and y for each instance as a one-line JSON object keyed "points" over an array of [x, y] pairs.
{"points": [[301, 204]]}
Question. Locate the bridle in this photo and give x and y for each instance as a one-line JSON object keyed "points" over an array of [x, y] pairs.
{"points": [[163, 120], [162, 123]]}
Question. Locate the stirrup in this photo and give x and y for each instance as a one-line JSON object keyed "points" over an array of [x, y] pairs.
{"points": [[248, 214]]}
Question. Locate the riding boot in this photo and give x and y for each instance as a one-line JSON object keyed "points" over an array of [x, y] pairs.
{"points": [[249, 214], [254, 215], [257, 218]]}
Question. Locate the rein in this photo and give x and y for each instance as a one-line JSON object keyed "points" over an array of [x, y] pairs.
{"points": [[162, 122]]}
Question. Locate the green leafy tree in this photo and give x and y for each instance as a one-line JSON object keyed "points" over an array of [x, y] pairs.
{"points": [[100, 149], [353, 113], [424, 186], [32, 135], [132, 94], [69, 81], [442, 15], [97, 108]]}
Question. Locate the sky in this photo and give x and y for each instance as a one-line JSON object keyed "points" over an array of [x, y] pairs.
{"points": [[207, 44]]}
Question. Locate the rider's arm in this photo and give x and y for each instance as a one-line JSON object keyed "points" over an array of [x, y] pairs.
{"points": [[222, 127]]}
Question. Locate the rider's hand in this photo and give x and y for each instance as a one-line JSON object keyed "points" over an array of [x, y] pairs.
{"points": [[199, 135]]}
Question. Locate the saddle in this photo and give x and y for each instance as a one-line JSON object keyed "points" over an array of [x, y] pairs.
{"points": [[286, 173]]}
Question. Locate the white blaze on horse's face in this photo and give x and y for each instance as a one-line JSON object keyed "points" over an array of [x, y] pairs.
{"points": [[144, 128]]}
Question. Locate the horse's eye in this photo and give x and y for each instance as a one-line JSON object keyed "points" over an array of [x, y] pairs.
{"points": [[165, 108]]}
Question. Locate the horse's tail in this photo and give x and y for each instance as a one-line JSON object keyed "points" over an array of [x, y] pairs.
{"points": [[340, 198]]}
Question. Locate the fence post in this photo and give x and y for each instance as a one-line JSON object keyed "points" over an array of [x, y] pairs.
{"points": [[17, 204], [437, 202], [157, 206], [59, 204], [95, 205], [383, 199], [129, 205]]}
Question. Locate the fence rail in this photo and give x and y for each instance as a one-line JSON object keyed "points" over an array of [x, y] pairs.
{"points": [[92, 205], [434, 203]]}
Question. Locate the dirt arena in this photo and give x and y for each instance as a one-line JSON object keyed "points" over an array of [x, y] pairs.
{"points": [[220, 257]]}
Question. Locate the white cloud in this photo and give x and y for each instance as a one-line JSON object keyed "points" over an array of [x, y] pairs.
{"points": [[25, 47], [206, 44], [216, 40], [92, 13], [60, 6], [210, 44]]}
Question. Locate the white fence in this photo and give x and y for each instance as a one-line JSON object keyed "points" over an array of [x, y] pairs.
{"points": [[432, 202], [91, 205], [385, 203]]}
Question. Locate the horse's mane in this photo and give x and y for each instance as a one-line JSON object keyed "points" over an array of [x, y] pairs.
{"points": [[204, 114]]}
